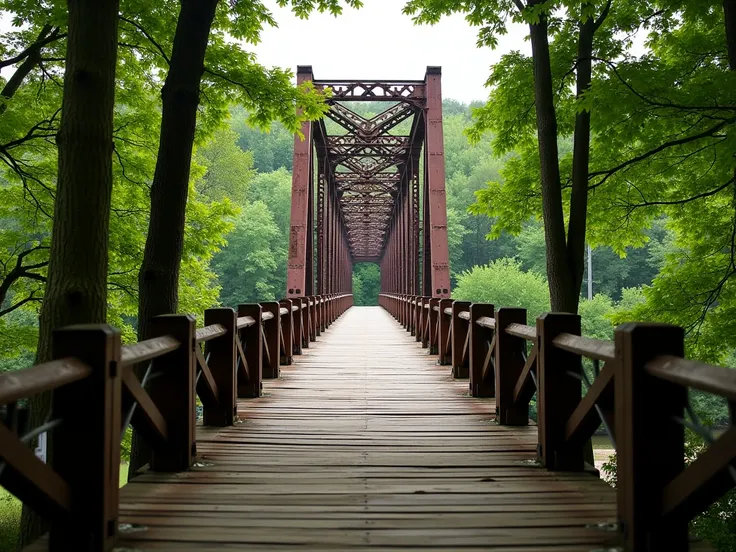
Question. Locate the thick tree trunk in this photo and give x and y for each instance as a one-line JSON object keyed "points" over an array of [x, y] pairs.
{"points": [[580, 164], [76, 292], [158, 278], [729, 18], [562, 295]]}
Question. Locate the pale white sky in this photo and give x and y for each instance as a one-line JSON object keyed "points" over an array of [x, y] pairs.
{"points": [[379, 42]]}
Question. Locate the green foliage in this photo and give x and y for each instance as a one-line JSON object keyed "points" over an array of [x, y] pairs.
{"points": [[228, 169], [274, 189], [503, 283], [10, 508], [248, 267], [366, 284], [595, 317], [270, 152]]}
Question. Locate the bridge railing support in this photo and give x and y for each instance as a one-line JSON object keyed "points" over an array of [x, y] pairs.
{"points": [[97, 394], [635, 387]]}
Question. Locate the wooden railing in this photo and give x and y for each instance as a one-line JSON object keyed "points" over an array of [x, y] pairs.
{"points": [[96, 395], [638, 392]]}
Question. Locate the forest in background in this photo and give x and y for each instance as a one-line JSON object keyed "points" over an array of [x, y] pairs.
{"points": [[241, 202], [585, 140]]}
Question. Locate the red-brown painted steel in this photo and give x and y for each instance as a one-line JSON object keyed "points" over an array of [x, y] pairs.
{"points": [[296, 278], [434, 154], [367, 203]]}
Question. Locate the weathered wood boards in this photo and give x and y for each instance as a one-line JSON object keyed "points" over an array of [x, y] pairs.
{"points": [[363, 443]]}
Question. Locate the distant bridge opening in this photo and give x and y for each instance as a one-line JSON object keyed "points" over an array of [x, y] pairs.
{"points": [[371, 190]]}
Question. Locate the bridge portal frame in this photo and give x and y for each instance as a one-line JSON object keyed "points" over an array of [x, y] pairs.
{"points": [[348, 205]]}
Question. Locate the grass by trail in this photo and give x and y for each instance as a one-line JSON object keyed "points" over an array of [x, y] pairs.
{"points": [[10, 508]]}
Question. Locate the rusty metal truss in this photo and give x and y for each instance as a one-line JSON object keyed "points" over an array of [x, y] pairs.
{"points": [[363, 173]]}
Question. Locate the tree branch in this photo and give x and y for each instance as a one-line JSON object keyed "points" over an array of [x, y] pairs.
{"points": [[148, 36], [19, 304], [42, 40], [709, 133], [702, 195]]}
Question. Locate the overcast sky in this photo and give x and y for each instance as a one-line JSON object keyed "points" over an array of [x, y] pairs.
{"points": [[379, 42]]}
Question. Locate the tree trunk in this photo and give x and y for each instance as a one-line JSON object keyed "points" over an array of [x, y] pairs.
{"points": [[562, 296], [158, 278], [580, 164], [729, 18], [76, 292]]}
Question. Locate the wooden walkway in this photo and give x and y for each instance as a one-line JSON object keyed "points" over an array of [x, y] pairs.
{"points": [[366, 443]]}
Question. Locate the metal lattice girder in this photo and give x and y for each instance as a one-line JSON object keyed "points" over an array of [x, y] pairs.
{"points": [[373, 90], [361, 127], [357, 191]]}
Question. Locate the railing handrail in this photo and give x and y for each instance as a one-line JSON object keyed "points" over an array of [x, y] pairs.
{"points": [[588, 347], [147, 349], [511, 361], [215, 363], [32, 381], [245, 322], [209, 332], [693, 374]]}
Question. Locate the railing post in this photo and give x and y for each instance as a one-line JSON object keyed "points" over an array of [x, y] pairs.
{"points": [[317, 316], [306, 322], [650, 443], [252, 344], [413, 315], [173, 393], [287, 330], [418, 319], [509, 366], [479, 346], [425, 322], [222, 362], [407, 312], [445, 324], [313, 319], [433, 328], [272, 343], [298, 327], [559, 392], [86, 446], [460, 361]]}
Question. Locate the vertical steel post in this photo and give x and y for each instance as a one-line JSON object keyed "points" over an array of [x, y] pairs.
{"points": [[434, 155], [296, 278]]}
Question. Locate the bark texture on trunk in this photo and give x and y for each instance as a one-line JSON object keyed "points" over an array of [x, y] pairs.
{"points": [[562, 298], [580, 166], [158, 279], [76, 292], [729, 18]]}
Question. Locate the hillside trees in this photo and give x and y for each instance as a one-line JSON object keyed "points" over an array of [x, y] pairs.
{"points": [[565, 247]]}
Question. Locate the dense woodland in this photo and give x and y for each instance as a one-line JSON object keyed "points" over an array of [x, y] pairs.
{"points": [[157, 179]]}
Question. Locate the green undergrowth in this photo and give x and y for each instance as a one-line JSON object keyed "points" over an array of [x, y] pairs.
{"points": [[10, 508], [9, 521]]}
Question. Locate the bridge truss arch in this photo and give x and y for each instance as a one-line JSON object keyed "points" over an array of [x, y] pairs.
{"points": [[371, 190]]}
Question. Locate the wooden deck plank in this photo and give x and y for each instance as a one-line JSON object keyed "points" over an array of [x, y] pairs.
{"points": [[364, 443]]}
